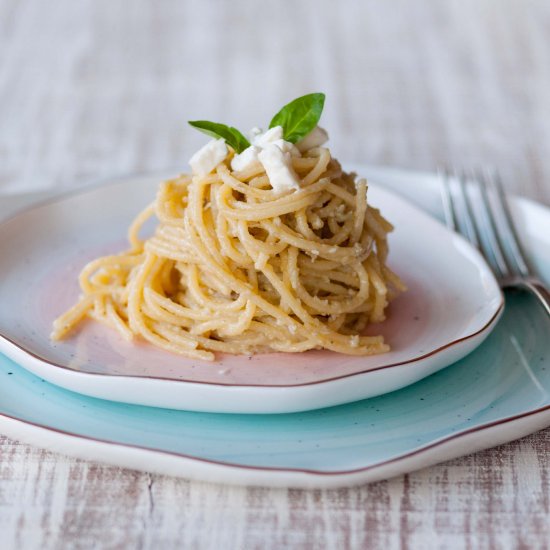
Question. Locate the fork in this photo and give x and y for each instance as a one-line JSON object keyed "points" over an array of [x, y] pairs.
{"points": [[475, 205]]}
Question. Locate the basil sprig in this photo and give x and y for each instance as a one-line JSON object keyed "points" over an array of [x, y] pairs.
{"points": [[299, 117], [232, 136]]}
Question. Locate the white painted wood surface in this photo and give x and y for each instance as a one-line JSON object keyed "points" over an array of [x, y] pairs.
{"points": [[91, 88]]}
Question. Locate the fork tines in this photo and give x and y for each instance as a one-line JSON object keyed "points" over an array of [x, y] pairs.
{"points": [[476, 206]]}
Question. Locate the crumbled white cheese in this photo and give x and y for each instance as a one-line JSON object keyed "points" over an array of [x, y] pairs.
{"points": [[207, 158], [317, 137], [261, 140], [275, 136], [354, 341], [274, 153], [287, 147], [278, 167], [254, 133], [246, 159], [265, 138]]}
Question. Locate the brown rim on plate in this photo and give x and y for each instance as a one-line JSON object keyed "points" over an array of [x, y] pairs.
{"points": [[168, 379]]}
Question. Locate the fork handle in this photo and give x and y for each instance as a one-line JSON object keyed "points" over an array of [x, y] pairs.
{"points": [[538, 290]]}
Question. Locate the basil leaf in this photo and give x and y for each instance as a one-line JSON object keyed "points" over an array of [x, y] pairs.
{"points": [[232, 136], [299, 117]]}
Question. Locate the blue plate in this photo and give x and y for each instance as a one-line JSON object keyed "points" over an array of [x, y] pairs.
{"points": [[498, 393]]}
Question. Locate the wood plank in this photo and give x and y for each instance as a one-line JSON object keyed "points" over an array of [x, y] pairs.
{"points": [[493, 499]]}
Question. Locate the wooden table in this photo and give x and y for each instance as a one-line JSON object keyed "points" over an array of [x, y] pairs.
{"points": [[93, 88]]}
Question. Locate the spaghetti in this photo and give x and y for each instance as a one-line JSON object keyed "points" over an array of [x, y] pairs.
{"points": [[236, 267]]}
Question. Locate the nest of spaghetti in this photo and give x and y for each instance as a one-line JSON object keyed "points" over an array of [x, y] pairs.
{"points": [[234, 267]]}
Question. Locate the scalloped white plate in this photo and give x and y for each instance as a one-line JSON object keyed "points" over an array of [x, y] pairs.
{"points": [[498, 393], [452, 304]]}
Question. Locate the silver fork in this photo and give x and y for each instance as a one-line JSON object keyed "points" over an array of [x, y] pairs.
{"points": [[475, 205]]}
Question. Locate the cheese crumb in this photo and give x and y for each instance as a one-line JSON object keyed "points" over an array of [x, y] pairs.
{"points": [[265, 138], [260, 141], [254, 133], [246, 159], [317, 137], [274, 136], [278, 167], [287, 147], [207, 158]]}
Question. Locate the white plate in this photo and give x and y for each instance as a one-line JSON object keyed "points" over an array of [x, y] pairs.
{"points": [[452, 303], [498, 393]]}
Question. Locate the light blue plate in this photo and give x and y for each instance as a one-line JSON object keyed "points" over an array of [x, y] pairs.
{"points": [[499, 392]]}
